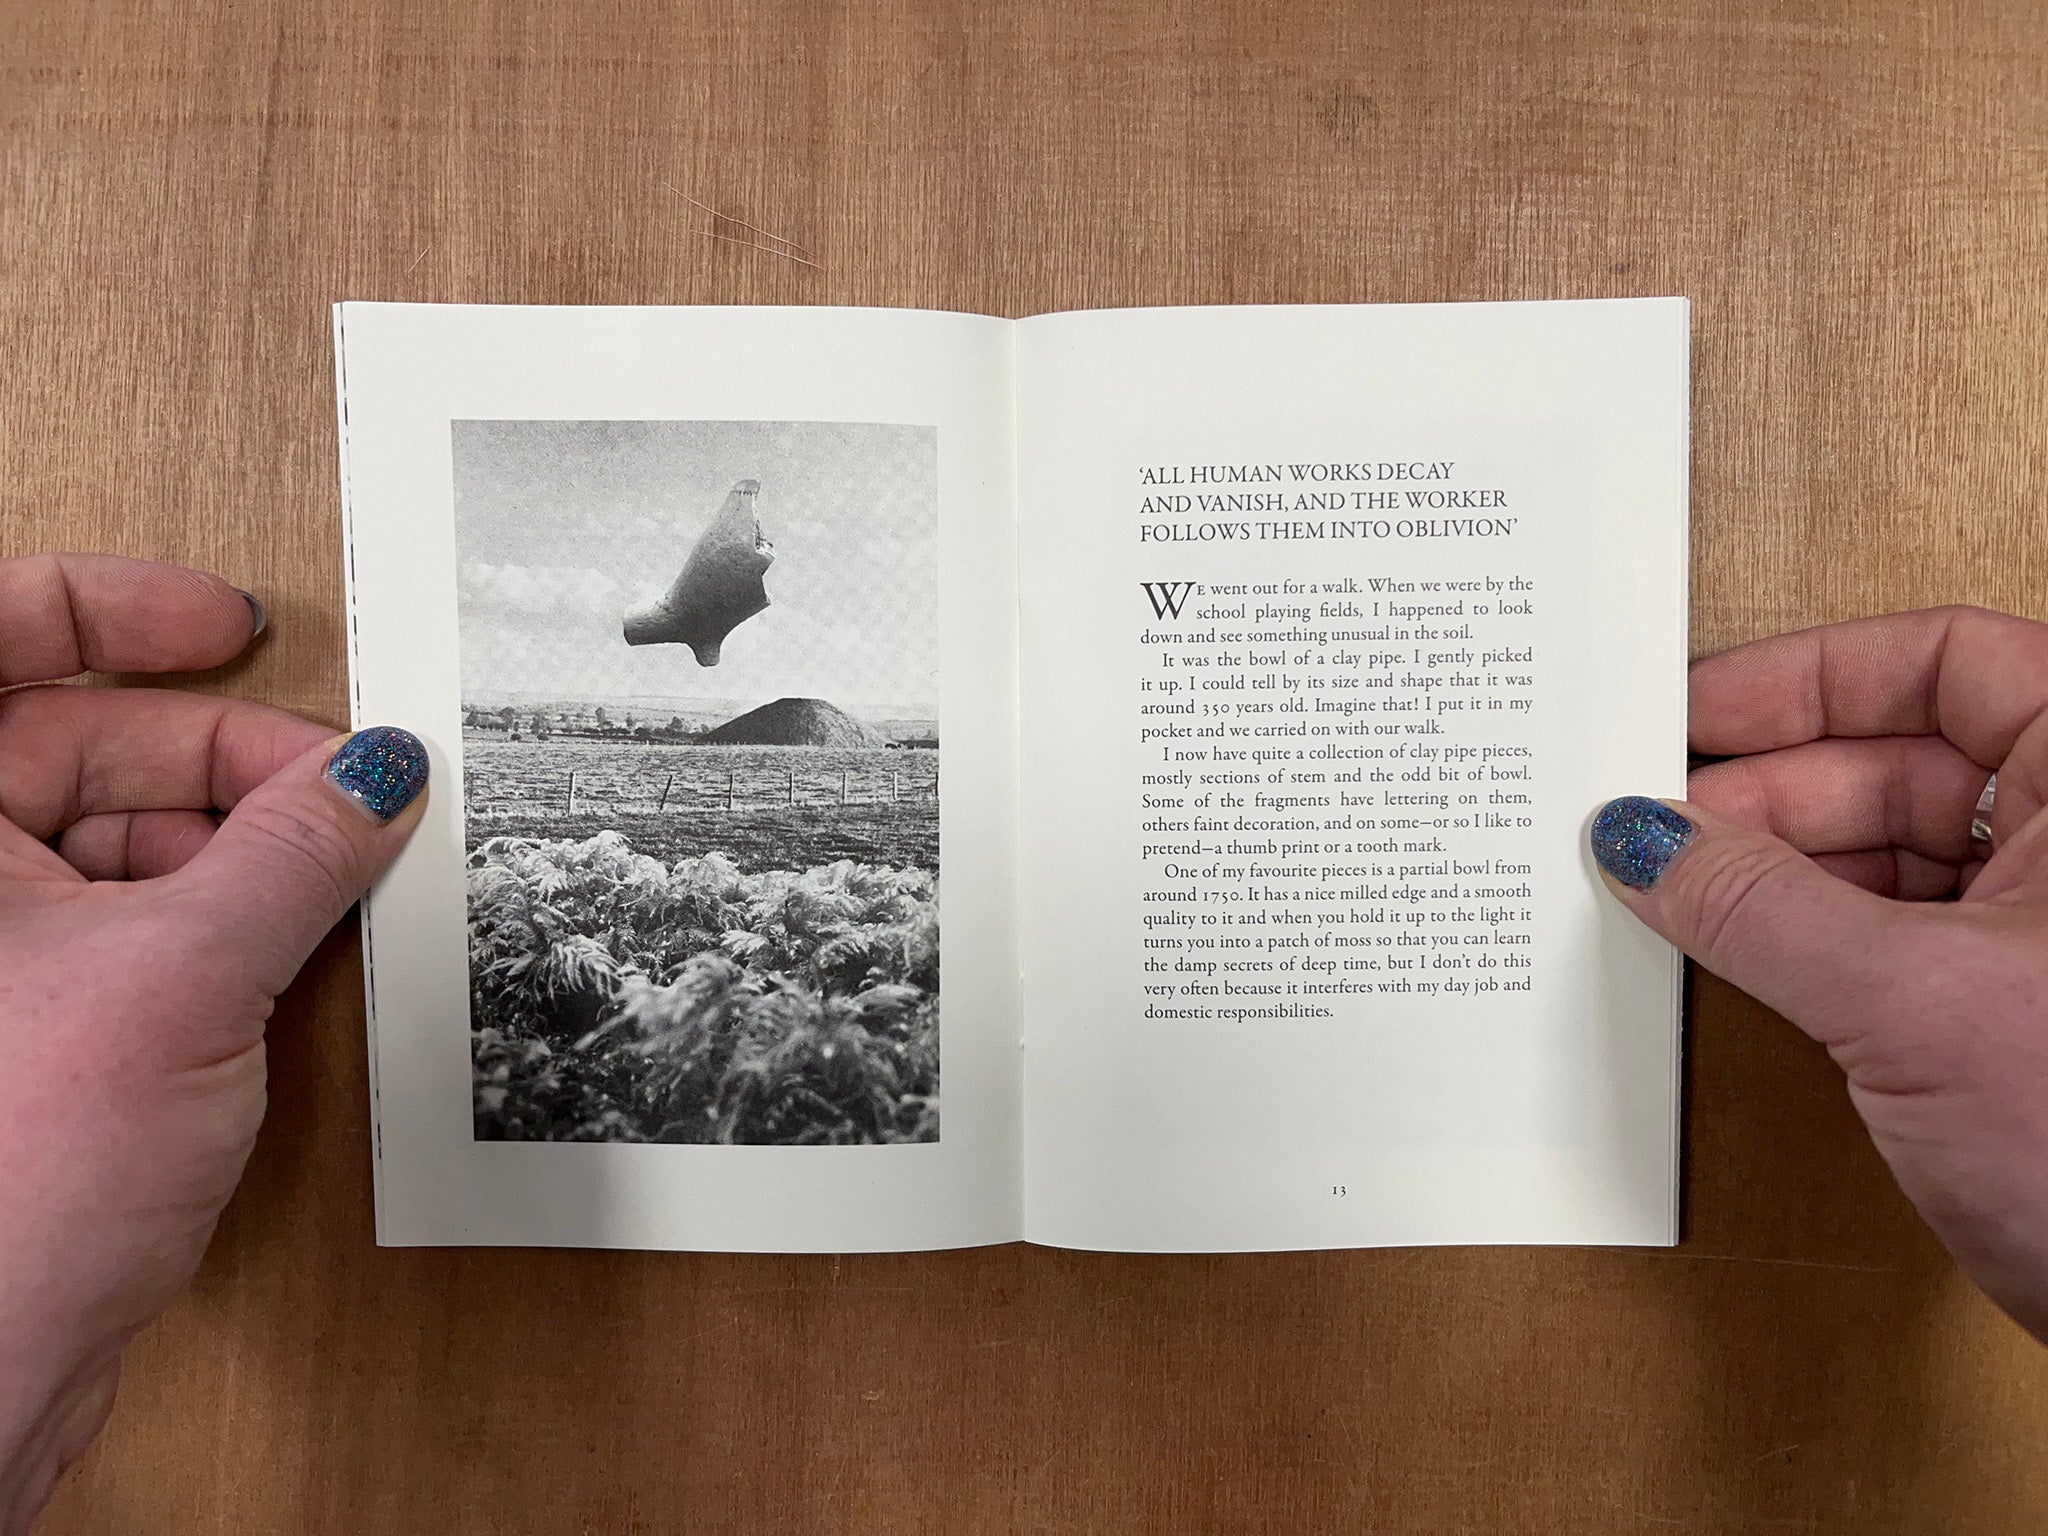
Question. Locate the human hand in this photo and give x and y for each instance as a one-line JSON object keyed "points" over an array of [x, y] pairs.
{"points": [[142, 942], [1828, 869]]}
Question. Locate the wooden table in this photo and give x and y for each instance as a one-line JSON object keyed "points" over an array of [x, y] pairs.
{"points": [[1852, 194]]}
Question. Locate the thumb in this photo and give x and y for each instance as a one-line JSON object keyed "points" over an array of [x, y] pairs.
{"points": [[301, 847], [1828, 955]]}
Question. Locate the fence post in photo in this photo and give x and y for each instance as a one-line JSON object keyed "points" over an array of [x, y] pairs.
{"points": [[842, 786], [792, 786], [572, 791], [729, 783], [895, 785], [671, 784]]}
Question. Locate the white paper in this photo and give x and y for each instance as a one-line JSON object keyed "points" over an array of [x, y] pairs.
{"points": [[1548, 1118], [407, 373]]}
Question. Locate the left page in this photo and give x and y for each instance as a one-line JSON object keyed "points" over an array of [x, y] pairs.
{"points": [[683, 602]]}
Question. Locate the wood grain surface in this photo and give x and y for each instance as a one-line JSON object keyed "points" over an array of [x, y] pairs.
{"points": [[1853, 194]]}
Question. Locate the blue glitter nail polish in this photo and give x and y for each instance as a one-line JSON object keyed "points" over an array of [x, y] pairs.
{"points": [[258, 616], [383, 769], [1634, 838]]}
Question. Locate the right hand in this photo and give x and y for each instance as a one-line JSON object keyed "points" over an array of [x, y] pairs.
{"points": [[1830, 873]]}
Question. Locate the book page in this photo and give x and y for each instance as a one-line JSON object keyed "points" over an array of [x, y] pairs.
{"points": [[684, 603], [1338, 625]]}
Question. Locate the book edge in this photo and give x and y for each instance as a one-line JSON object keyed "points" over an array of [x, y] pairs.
{"points": [[355, 713]]}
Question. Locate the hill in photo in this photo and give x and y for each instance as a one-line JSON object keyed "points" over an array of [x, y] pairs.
{"points": [[796, 723]]}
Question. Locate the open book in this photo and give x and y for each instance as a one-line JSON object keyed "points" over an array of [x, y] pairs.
{"points": [[1278, 658]]}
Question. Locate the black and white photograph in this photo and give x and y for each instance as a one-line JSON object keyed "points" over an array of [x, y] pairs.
{"points": [[700, 746]]}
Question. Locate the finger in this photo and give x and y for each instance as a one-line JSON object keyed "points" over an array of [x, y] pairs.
{"points": [[135, 845], [1751, 908], [1979, 678], [1894, 872], [65, 614], [304, 845], [1913, 792], [2018, 869], [67, 753], [26, 863]]}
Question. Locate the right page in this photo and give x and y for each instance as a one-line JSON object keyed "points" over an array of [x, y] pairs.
{"points": [[1338, 624]]}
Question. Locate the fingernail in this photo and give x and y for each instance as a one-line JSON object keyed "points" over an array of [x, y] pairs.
{"points": [[256, 607], [1635, 837], [382, 769]]}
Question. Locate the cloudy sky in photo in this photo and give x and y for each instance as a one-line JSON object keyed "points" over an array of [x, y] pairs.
{"points": [[561, 526]]}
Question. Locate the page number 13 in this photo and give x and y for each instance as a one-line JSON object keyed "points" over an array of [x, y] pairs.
{"points": [[1340, 1190]]}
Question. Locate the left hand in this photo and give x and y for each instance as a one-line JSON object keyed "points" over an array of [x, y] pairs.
{"points": [[142, 943]]}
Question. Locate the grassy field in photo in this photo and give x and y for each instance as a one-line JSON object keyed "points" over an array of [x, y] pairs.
{"points": [[717, 945], [764, 807]]}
